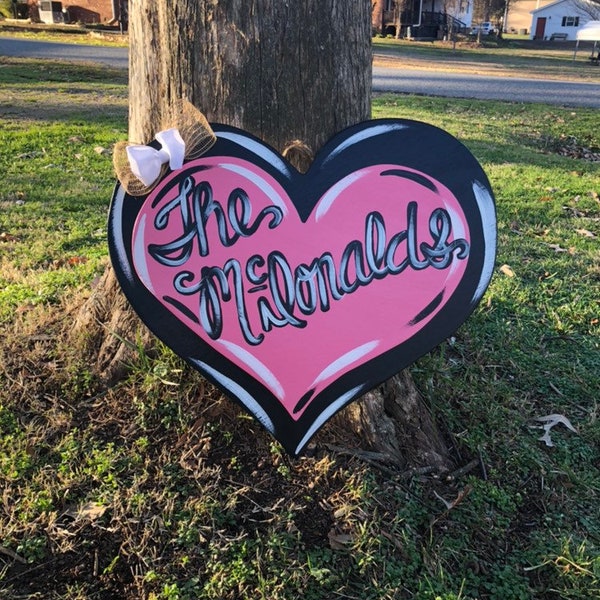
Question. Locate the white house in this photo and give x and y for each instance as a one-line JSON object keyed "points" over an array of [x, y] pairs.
{"points": [[559, 20]]}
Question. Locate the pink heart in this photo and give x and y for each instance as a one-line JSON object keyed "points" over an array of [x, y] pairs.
{"points": [[298, 305], [345, 325]]}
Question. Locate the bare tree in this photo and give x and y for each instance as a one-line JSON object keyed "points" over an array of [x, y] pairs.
{"points": [[452, 9], [588, 8], [399, 8]]}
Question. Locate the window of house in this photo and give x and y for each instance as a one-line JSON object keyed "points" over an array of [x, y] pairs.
{"points": [[570, 21]]}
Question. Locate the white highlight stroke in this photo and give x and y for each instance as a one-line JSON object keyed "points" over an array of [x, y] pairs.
{"points": [[259, 368], [259, 149], [363, 135], [117, 233], [332, 194], [327, 413], [345, 360], [139, 255], [257, 180], [485, 202], [239, 392]]}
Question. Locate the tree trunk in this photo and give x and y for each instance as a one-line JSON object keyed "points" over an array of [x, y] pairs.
{"points": [[282, 70]]}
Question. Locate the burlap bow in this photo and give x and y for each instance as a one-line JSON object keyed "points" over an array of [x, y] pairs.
{"points": [[185, 136]]}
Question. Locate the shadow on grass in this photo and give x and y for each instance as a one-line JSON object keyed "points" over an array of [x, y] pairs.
{"points": [[49, 90], [20, 70], [56, 111]]}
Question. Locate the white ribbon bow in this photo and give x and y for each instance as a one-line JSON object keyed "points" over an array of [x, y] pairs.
{"points": [[146, 162]]}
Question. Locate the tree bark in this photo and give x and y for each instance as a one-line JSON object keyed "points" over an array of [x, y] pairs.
{"points": [[393, 420], [281, 70], [291, 72]]}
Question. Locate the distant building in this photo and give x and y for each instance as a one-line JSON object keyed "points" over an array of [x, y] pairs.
{"points": [[421, 18], [559, 20], [77, 11]]}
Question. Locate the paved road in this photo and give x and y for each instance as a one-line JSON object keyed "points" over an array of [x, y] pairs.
{"points": [[425, 82], [115, 57]]}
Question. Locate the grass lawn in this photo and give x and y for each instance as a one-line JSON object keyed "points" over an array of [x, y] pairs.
{"points": [[68, 34], [511, 58], [160, 489]]}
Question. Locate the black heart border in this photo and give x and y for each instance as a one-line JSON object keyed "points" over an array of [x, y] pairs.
{"points": [[407, 143]]}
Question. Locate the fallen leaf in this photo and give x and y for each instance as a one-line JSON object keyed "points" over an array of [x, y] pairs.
{"points": [[77, 260], [339, 541], [17, 197], [89, 510], [549, 421], [586, 233], [462, 494], [506, 270], [557, 248], [68, 261], [8, 237]]}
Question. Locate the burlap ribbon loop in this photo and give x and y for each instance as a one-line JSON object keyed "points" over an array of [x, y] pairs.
{"points": [[151, 164]]}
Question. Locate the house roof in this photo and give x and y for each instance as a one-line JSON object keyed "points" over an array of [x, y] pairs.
{"points": [[546, 6]]}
